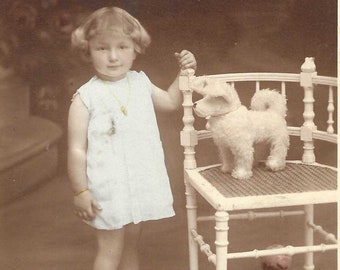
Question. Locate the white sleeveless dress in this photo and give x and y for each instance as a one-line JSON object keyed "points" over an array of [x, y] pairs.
{"points": [[125, 161]]}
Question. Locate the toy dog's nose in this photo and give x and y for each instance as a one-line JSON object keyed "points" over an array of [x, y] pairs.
{"points": [[194, 105]]}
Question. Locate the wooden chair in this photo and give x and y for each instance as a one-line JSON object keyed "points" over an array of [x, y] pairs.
{"points": [[303, 183]]}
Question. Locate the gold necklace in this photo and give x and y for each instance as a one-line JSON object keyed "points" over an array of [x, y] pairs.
{"points": [[123, 108]]}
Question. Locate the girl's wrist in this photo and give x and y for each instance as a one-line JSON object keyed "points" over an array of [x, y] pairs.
{"points": [[80, 192]]}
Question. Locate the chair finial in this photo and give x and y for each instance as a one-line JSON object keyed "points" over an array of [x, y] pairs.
{"points": [[308, 65], [187, 72]]}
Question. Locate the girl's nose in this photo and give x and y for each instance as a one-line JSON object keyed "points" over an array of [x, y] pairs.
{"points": [[112, 55]]}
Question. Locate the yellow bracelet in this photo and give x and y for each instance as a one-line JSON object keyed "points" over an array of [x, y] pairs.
{"points": [[80, 192]]}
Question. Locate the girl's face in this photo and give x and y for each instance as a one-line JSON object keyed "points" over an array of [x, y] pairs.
{"points": [[112, 55]]}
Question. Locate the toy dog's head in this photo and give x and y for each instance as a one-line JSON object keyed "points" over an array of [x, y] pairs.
{"points": [[219, 97]]}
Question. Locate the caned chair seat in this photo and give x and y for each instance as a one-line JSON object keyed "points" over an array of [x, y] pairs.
{"points": [[297, 183]]}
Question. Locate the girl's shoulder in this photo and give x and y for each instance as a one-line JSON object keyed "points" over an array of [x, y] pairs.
{"points": [[140, 78], [139, 75], [90, 84], [85, 91]]}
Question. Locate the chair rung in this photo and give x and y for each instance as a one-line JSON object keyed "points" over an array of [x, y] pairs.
{"points": [[204, 247], [288, 250], [251, 215], [328, 236]]}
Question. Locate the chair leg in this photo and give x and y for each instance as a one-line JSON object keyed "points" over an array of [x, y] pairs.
{"points": [[192, 224], [338, 226], [309, 236], [222, 227]]}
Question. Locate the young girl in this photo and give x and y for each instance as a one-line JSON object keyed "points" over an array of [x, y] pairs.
{"points": [[115, 156]]}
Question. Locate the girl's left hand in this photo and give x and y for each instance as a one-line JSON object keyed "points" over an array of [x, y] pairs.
{"points": [[186, 60]]}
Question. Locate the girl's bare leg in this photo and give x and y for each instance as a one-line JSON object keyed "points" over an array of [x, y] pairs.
{"points": [[110, 249], [129, 260]]}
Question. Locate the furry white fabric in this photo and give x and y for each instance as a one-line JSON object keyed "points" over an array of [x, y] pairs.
{"points": [[236, 130]]}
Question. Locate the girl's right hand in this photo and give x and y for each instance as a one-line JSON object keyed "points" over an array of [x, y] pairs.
{"points": [[186, 60], [86, 207]]}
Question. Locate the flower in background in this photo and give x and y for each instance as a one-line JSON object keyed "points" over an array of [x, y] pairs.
{"points": [[63, 21], [23, 15]]}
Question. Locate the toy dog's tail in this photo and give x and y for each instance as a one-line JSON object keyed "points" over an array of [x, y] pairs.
{"points": [[269, 100]]}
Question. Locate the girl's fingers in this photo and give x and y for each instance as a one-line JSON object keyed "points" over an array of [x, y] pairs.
{"points": [[87, 216], [96, 207], [186, 59], [183, 54], [188, 64], [83, 214]]}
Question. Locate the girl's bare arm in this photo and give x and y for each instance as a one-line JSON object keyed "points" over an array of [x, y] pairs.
{"points": [[77, 144], [85, 206], [171, 100]]}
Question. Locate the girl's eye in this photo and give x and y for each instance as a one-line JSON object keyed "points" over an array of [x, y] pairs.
{"points": [[125, 46]]}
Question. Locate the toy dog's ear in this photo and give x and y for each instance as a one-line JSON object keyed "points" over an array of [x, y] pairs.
{"points": [[219, 89], [199, 84], [228, 92]]}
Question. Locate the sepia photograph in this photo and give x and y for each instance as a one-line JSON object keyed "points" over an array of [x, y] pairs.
{"points": [[169, 135]]}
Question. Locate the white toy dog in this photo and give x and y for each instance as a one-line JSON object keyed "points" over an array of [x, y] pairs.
{"points": [[235, 129]]}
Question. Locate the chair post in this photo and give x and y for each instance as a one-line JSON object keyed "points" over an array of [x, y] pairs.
{"points": [[221, 243], [188, 134], [188, 141], [191, 207], [309, 236], [308, 71], [338, 222]]}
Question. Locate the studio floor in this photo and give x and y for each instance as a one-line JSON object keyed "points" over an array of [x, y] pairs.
{"points": [[40, 232]]}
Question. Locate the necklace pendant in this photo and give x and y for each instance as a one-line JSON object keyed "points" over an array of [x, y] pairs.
{"points": [[112, 131], [124, 110]]}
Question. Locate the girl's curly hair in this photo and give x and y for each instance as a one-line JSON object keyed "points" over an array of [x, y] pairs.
{"points": [[113, 19]]}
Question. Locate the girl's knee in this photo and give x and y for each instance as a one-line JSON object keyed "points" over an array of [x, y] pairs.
{"points": [[110, 245], [110, 241]]}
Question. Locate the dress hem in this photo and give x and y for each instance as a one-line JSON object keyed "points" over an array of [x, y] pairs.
{"points": [[120, 227]]}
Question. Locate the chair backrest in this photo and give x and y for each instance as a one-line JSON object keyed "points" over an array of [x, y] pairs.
{"points": [[317, 101]]}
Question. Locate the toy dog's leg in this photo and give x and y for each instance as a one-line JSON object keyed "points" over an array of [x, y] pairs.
{"points": [[226, 158], [277, 159], [243, 159]]}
